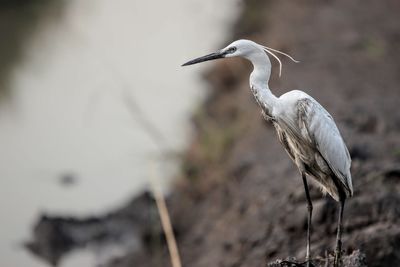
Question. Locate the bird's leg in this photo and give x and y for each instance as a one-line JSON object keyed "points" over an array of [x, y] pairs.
{"points": [[309, 208], [338, 249]]}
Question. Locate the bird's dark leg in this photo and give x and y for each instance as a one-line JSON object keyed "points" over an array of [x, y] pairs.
{"points": [[309, 208], [338, 250]]}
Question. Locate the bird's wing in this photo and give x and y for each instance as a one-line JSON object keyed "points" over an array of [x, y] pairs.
{"points": [[318, 126]]}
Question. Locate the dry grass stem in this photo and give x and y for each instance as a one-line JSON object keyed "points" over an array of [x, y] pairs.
{"points": [[165, 219]]}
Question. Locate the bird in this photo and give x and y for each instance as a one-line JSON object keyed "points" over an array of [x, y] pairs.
{"points": [[305, 129]]}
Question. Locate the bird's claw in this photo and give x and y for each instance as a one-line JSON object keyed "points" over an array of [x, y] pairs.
{"points": [[307, 263]]}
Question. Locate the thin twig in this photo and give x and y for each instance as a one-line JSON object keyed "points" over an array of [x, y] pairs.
{"points": [[147, 125], [165, 220], [159, 140]]}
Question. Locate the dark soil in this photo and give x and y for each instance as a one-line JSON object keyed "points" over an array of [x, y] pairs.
{"points": [[240, 201]]}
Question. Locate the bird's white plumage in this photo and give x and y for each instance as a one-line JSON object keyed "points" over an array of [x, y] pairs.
{"points": [[306, 130], [304, 127], [317, 129]]}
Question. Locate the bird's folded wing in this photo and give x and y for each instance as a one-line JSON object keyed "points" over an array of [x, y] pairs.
{"points": [[320, 128]]}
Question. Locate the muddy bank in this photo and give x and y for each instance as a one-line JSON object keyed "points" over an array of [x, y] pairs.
{"points": [[240, 200], [129, 228]]}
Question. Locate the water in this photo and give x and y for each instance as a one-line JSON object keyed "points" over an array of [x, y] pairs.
{"points": [[68, 115]]}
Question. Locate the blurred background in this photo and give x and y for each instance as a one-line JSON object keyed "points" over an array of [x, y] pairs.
{"points": [[93, 102], [82, 85]]}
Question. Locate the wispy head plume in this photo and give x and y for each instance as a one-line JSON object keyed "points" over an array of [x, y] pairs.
{"points": [[271, 50]]}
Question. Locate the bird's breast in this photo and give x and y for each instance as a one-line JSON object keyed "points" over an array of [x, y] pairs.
{"points": [[294, 146]]}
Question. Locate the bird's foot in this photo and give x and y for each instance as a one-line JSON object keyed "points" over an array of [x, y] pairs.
{"points": [[338, 259], [338, 254], [307, 263]]}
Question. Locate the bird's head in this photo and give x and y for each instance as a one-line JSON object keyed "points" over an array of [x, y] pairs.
{"points": [[240, 48], [235, 49]]}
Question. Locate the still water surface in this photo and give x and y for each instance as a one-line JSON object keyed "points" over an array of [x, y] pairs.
{"points": [[68, 117]]}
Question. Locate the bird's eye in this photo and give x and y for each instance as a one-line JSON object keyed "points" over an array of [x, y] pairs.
{"points": [[232, 49]]}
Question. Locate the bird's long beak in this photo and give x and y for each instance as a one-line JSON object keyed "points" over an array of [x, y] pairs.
{"points": [[212, 56]]}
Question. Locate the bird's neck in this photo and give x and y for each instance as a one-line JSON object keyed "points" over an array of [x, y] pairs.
{"points": [[266, 99], [261, 68], [259, 81]]}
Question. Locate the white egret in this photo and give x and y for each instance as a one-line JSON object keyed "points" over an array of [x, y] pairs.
{"points": [[306, 130]]}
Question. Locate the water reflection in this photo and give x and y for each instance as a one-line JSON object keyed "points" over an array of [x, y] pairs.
{"points": [[20, 20], [73, 70]]}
